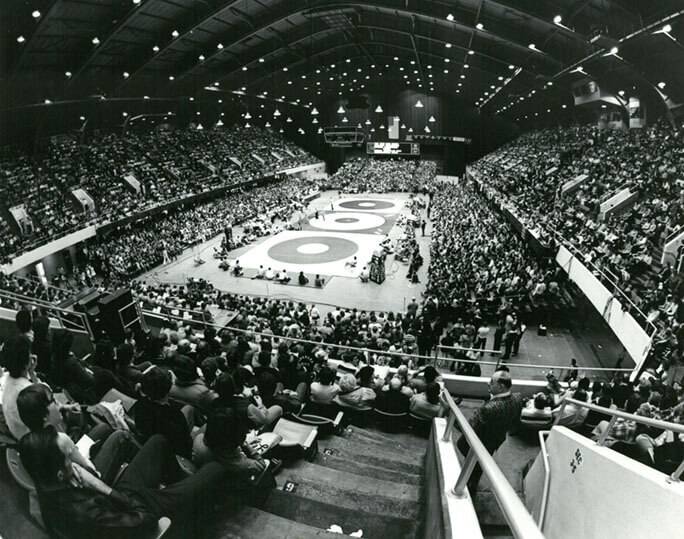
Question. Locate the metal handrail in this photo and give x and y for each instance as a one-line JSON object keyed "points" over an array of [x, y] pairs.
{"points": [[576, 252], [519, 520], [523, 365], [619, 414], [547, 478], [63, 316]]}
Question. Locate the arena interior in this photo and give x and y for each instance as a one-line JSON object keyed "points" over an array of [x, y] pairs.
{"points": [[316, 269]]}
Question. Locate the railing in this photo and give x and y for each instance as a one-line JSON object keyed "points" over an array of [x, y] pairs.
{"points": [[70, 320], [611, 284], [500, 363], [618, 414], [547, 478], [519, 520]]}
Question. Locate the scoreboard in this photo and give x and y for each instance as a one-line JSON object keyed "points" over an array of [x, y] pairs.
{"points": [[393, 148]]}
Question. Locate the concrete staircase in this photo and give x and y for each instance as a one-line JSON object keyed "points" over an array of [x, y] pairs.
{"points": [[360, 480]]}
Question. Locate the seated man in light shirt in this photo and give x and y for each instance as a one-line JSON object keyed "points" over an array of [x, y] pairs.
{"points": [[269, 274], [261, 273]]}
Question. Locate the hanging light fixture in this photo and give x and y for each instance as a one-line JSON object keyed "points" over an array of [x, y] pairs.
{"points": [[432, 119], [358, 126], [289, 120], [427, 129], [315, 121], [344, 120], [314, 111], [378, 109], [247, 126], [419, 104], [200, 127], [340, 110], [368, 122], [248, 116], [267, 124], [320, 130], [219, 123], [281, 130], [403, 126], [382, 127], [410, 130]]}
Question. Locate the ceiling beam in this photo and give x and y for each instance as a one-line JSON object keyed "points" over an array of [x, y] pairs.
{"points": [[322, 8], [125, 21], [36, 32]]}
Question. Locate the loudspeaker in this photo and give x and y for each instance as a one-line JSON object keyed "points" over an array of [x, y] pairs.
{"points": [[117, 313]]}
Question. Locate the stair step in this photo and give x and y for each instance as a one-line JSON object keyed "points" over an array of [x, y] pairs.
{"points": [[351, 491], [308, 471], [357, 467], [321, 514], [372, 454], [250, 523], [403, 440], [362, 441]]}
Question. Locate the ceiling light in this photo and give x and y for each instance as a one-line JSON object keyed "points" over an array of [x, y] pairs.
{"points": [[661, 85], [344, 120], [175, 33], [314, 111], [449, 17], [419, 104], [447, 45], [155, 48], [532, 46], [367, 122], [267, 124], [36, 14], [557, 19], [261, 60], [315, 121], [244, 68], [276, 113], [248, 116], [146, 97], [289, 120], [666, 29], [479, 26], [171, 77], [432, 119], [82, 118], [95, 41], [378, 109], [427, 129], [201, 57], [471, 52], [21, 39], [340, 110], [124, 114], [126, 74], [67, 74]]}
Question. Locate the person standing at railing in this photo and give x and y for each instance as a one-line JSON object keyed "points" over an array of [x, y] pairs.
{"points": [[498, 416]]}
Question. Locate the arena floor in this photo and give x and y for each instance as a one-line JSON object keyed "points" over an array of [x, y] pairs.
{"points": [[347, 226]]}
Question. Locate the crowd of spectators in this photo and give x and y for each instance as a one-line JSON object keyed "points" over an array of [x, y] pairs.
{"points": [[529, 174], [479, 264], [133, 248], [365, 175], [165, 165], [194, 394]]}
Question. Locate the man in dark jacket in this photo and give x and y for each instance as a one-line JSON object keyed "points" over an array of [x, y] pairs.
{"points": [[498, 416]]}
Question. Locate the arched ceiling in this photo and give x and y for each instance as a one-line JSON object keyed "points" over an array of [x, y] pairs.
{"points": [[313, 49]]}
